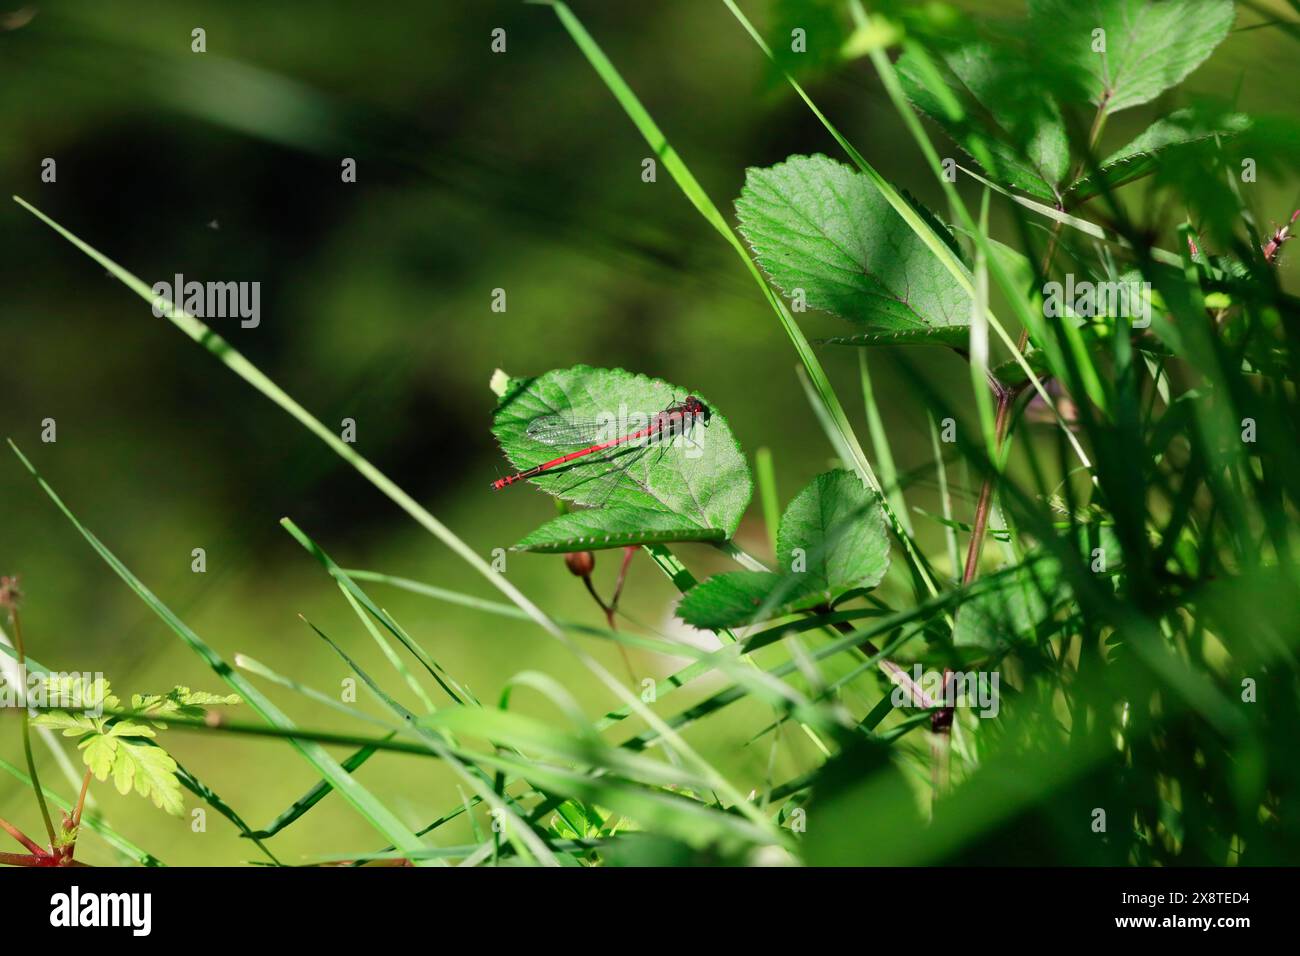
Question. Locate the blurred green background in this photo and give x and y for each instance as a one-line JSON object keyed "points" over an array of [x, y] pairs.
{"points": [[476, 171]]}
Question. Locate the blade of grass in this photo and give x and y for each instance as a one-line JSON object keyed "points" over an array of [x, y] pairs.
{"points": [[361, 799], [880, 445], [246, 370], [767, 494], [945, 499]]}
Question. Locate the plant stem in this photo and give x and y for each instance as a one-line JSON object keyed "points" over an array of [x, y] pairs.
{"points": [[81, 800], [1005, 397], [612, 607], [16, 622], [19, 835], [20, 859], [941, 721], [75, 820]]}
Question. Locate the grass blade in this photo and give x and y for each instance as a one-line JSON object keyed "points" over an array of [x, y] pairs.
{"points": [[361, 799]]}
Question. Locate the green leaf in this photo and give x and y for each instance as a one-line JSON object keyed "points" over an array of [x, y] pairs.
{"points": [[835, 526], [693, 487], [732, 599], [1149, 46], [823, 231], [1174, 133], [152, 771], [1012, 611], [181, 702], [99, 752], [73, 692], [832, 539], [72, 725], [1020, 137]]}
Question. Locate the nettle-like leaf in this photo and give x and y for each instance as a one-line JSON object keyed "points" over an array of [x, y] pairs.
{"points": [[831, 539], [691, 487], [1020, 139], [1149, 45], [823, 231], [1013, 610], [122, 746], [1161, 141]]}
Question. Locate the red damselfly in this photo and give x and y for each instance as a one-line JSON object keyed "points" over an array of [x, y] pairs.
{"points": [[594, 438]]}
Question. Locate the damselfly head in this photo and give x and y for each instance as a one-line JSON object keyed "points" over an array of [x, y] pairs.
{"points": [[696, 409]]}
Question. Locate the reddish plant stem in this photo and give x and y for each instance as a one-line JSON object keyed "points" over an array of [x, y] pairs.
{"points": [[611, 608], [20, 836], [941, 720], [81, 799], [20, 859]]}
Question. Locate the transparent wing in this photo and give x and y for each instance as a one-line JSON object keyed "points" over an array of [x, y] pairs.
{"points": [[562, 430]]}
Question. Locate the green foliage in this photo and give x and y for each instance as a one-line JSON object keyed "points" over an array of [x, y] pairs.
{"points": [[820, 228], [1020, 140], [1149, 47], [1139, 600], [832, 539], [123, 746], [1161, 142], [692, 488]]}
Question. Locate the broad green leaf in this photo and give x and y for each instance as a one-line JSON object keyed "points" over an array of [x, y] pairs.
{"points": [[823, 232], [1143, 49], [1011, 612], [732, 599], [834, 533], [1021, 137], [692, 487], [1177, 131], [832, 539]]}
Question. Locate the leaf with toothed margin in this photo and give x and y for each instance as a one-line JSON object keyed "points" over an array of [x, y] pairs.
{"points": [[1149, 47], [832, 538], [1165, 138], [692, 488], [821, 227], [1022, 138]]}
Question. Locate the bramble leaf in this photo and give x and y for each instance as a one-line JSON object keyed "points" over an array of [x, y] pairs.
{"points": [[1180, 130], [734, 598], [821, 229], [691, 487], [831, 539], [1022, 138], [1147, 47], [1011, 611]]}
